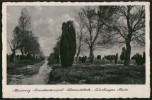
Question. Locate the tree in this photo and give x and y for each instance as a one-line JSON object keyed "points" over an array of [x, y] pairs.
{"points": [[15, 42], [50, 59], [55, 55], [29, 42], [25, 28], [138, 58], [31, 45], [80, 33], [129, 27], [67, 44], [95, 20], [23, 37], [56, 51]]}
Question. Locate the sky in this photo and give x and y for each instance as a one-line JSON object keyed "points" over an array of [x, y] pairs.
{"points": [[46, 25]]}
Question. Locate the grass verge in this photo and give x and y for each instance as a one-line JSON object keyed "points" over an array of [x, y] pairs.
{"points": [[97, 74]]}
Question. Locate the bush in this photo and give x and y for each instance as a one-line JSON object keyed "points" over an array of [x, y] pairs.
{"points": [[139, 59], [99, 57]]}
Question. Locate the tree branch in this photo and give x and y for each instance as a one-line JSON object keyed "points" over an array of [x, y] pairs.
{"points": [[137, 36]]}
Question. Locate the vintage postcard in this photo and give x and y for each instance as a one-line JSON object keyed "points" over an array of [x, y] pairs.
{"points": [[76, 50]]}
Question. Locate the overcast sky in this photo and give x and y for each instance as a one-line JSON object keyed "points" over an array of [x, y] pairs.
{"points": [[46, 24]]}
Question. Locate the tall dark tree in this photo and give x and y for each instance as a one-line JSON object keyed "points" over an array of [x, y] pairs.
{"points": [[67, 44]]}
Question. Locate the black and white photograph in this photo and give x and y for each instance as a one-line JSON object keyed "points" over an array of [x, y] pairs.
{"points": [[86, 44]]}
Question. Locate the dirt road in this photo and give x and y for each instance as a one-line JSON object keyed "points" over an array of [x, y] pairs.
{"points": [[40, 78]]}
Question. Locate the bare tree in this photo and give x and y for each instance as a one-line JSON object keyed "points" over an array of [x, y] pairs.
{"points": [[80, 33], [95, 20], [129, 28]]}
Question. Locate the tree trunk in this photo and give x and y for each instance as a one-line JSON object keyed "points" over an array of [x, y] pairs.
{"points": [[79, 48], [127, 54], [78, 54], [91, 54], [22, 51], [128, 40]]}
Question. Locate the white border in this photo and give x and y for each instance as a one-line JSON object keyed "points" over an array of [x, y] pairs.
{"points": [[135, 91]]}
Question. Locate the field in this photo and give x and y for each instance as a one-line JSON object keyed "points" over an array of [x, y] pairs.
{"points": [[18, 70], [98, 73]]}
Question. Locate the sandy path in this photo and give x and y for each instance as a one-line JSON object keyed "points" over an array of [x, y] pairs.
{"points": [[40, 78]]}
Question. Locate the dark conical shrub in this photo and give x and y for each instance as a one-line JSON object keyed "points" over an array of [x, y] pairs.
{"points": [[67, 44]]}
